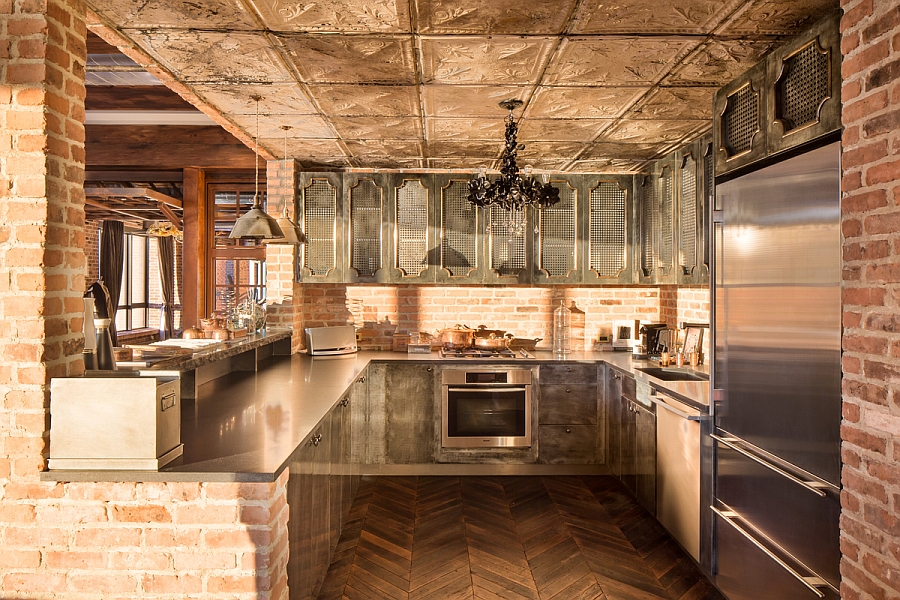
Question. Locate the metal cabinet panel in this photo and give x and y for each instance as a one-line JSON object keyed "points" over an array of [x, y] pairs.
{"points": [[409, 434], [567, 444], [804, 78], [413, 234], [610, 229], [645, 457], [461, 233], [509, 245], [738, 120], [571, 404], [560, 235], [364, 221], [568, 373], [319, 215]]}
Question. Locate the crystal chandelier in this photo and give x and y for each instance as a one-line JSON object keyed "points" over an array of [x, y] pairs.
{"points": [[511, 191]]}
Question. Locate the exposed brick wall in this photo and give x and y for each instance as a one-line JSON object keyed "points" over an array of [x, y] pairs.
{"points": [[281, 258], [92, 251], [522, 310], [134, 540], [870, 208]]}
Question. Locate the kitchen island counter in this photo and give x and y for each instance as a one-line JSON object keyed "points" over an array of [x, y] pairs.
{"points": [[247, 426]]}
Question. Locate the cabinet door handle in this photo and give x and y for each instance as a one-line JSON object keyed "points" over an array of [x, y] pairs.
{"points": [[345, 401], [568, 430], [568, 369], [314, 440], [361, 380], [568, 391], [615, 375], [430, 369]]}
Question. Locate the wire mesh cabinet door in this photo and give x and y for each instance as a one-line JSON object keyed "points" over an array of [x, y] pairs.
{"points": [[320, 210], [610, 236], [412, 240], [561, 240], [461, 232], [364, 220], [738, 120]]}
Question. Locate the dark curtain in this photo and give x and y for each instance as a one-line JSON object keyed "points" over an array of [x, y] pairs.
{"points": [[112, 258], [167, 282]]}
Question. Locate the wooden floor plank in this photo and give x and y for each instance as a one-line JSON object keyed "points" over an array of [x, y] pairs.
{"points": [[509, 538]]}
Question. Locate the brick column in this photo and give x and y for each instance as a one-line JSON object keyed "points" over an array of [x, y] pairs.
{"points": [[281, 191], [870, 207], [42, 58]]}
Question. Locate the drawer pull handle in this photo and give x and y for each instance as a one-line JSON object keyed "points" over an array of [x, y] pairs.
{"points": [[568, 369], [345, 401], [316, 439], [361, 380], [615, 375], [167, 402], [568, 391], [568, 430], [812, 486], [813, 583]]}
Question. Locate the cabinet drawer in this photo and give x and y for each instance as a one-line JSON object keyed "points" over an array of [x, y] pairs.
{"points": [[574, 404], [567, 444], [569, 373]]}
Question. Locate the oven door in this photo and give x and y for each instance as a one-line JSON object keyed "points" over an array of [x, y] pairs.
{"points": [[486, 416]]}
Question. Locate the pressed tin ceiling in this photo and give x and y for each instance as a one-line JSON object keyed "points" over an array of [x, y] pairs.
{"points": [[414, 84]]}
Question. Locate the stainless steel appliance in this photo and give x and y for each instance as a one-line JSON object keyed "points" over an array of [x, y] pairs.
{"points": [[776, 379], [499, 354], [486, 408], [324, 341]]}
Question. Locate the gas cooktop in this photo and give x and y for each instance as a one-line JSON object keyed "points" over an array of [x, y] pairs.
{"points": [[477, 353]]}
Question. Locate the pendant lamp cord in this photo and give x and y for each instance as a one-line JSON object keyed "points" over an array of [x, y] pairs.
{"points": [[256, 202]]}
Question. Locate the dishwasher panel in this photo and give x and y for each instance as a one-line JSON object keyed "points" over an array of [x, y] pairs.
{"points": [[678, 472]]}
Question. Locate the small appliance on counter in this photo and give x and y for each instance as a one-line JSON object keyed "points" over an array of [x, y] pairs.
{"points": [[625, 335], [98, 344], [654, 340], [331, 341]]}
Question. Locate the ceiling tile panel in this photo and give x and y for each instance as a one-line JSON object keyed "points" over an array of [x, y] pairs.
{"points": [[607, 166], [467, 129], [470, 100], [538, 152], [777, 17], [352, 59], [176, 14], [301, 148], [375, 16], [367, 100], [719, 61], [277, 99], [305, 126], [582, 102], [496, 17], [616, 60], [502, 60], [675, 103], [652, 132], [459, 163], [385, 148], [366, 128], [391, 162], [653, 16], [610, 150], [561, 130], [474, 149], [215, 57]]}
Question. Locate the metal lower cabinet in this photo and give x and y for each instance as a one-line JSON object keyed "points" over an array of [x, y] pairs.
{"points": [[746, 572], [797, 522], [678, 472]]}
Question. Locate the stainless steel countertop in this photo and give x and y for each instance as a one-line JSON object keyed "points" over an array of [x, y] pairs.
{"points": [[246, 426]]}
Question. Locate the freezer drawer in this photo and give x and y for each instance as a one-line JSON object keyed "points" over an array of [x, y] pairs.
{"points": [[747, 572], [795, 518]]}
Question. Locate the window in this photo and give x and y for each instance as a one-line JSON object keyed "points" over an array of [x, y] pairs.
{"points": [[238, 266], [134, 300]]}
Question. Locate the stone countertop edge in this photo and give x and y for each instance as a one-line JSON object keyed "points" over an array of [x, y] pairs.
{"points": [[231, 348], [347, 369]]}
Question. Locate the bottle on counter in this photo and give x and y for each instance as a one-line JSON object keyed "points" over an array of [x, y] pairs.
{"points": [[562, 330]]}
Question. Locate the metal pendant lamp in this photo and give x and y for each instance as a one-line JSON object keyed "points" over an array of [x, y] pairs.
{"points": [[292, 232], [256, 223]]}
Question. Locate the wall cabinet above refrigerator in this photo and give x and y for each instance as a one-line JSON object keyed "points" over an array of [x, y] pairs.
{"points": [[372, 227]]}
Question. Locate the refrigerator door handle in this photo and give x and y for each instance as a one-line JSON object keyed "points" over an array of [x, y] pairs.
{"points": [[813, 486], [813, 583]]}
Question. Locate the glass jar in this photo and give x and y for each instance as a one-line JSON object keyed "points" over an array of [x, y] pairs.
{"points": [[562, 330]]}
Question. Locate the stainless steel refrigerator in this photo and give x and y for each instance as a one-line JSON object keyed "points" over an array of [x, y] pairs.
{"points": [[777, 379]]}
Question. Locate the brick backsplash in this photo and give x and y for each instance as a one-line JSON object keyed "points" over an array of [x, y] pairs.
{"points": [[525, 311], [870, 185]]}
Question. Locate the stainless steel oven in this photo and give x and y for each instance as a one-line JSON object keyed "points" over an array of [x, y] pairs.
{"points": [[486, 407]]}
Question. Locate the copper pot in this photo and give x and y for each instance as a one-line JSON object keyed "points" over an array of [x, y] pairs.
{"points": [[492, 342], [192, 333], [457, 338], [483, 331], [523, 343]]}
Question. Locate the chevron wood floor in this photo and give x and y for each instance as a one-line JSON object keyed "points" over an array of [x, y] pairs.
{"points": [[448, 538]]}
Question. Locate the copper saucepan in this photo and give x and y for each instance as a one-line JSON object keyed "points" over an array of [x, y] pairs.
{"points": [[492, 342], [457, 337]]}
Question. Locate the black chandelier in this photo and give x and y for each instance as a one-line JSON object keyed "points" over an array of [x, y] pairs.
{"points": [[511, 191]]}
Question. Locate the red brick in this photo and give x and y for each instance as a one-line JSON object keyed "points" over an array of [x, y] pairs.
{"points": [[30, 583], [233, 585], [881, 124], [863, 155], [886, 273], [864, 440], [141, 514], [75, 560], [882, 223], [108, 537], [863, 296], [883, 173], [882, 371], [253, 538], [110, 583], [32, 491], [27, 73], [851, 181], [868, 392], [864, 107], [171, 584], [853, 16]]}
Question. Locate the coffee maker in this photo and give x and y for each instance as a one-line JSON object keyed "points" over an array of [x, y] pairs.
{"points": [[654, 340], [98, 344]]}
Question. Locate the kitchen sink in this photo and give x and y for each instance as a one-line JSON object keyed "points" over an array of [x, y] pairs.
{"points": [[673, 374]]}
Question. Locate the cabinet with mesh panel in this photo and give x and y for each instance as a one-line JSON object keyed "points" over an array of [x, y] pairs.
{"points": [[738, 120], [610, 236], [804, 75], [365, 196], [319, 213], [559, 234]]}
